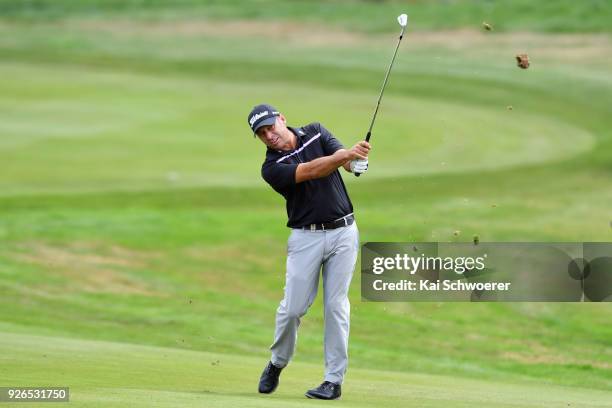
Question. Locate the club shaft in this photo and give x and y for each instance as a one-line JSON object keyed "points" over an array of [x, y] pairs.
{"points": [[382, 90]]}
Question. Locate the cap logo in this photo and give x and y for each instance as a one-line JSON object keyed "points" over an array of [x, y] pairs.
{"points": [[257, 116]]}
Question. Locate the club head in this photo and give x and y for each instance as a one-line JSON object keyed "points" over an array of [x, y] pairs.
{"points": [[402, 19]]}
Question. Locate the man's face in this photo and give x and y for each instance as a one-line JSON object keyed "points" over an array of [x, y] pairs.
{"points": [[276, 136]]}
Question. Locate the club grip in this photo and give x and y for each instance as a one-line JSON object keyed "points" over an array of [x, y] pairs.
{"points": [[367, 139]]}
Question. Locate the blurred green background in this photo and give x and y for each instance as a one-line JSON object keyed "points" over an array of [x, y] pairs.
{"points": [[142, 256]]}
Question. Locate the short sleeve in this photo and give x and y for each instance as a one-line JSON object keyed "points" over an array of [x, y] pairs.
{"points": [[330, 144], [279, 175]]}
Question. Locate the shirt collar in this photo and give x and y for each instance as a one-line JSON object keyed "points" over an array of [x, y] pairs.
{"points": [[299, 133]]}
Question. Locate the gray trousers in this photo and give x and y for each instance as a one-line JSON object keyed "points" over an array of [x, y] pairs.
{"points": [[308, 252]]}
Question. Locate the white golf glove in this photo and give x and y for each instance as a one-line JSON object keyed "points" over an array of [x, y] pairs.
{"points": [[359, 166]]}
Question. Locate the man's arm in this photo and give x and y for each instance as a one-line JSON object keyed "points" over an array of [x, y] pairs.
{"points": [[321, 167], [324, 166]]}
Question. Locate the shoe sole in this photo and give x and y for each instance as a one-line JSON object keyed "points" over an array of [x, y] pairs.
{"points": [[325, 399], [269, 392]]}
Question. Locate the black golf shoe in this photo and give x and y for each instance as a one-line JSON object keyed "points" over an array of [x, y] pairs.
{"points": [[327, 391], [269, 378]]}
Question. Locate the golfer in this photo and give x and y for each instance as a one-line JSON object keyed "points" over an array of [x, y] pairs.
{"points": [[302, 165]]}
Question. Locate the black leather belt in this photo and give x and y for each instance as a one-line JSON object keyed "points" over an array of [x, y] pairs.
{"points": [[340, 222]]}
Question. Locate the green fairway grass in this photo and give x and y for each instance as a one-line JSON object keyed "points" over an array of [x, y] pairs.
{"points": [[106, 374], [139, 244]]}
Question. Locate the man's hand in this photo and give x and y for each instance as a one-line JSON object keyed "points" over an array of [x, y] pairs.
{"points": [[359, 151], [359, 166]]}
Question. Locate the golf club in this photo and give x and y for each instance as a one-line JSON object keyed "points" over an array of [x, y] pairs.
{"points": [[403, 21]]}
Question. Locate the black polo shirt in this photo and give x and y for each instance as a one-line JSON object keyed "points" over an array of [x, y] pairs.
{"points": [[313, 201]]}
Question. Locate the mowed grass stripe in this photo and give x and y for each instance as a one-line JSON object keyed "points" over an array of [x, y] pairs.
{"points": [[117, 374], [185, 143]]}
